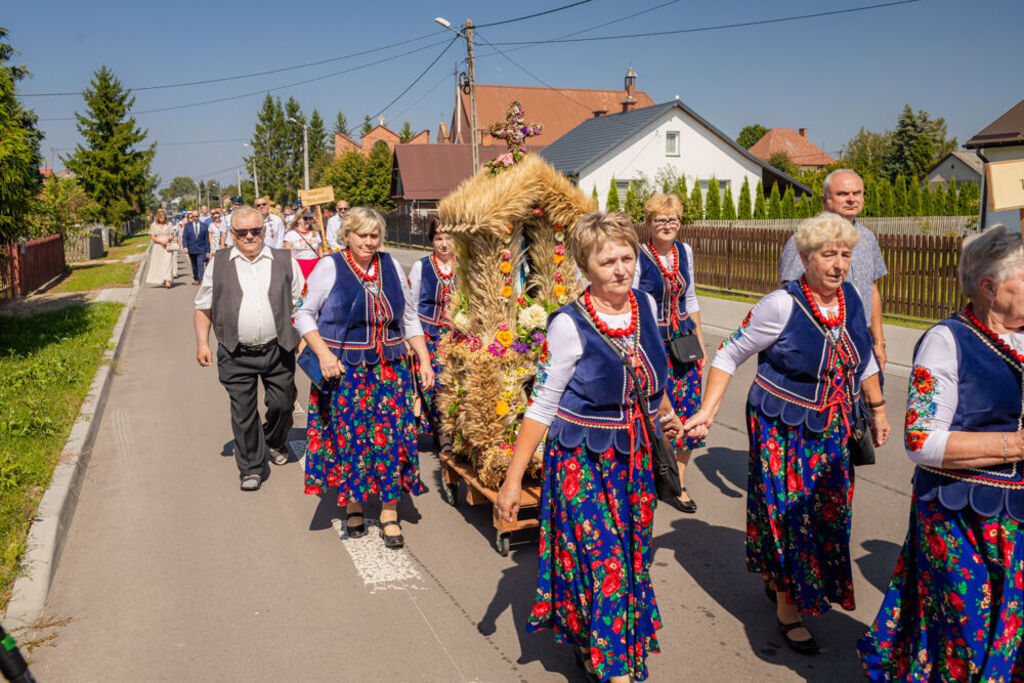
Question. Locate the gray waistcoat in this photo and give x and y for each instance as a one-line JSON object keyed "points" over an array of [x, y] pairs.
{"points": [[227, 299]]}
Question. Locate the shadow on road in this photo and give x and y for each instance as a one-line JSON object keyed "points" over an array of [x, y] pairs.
{"points": [[878, 564], [726, 469], [715, 557]]}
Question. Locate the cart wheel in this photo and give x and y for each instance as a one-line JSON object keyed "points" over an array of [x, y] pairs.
{"points": [[502, 542], [450, 493]]}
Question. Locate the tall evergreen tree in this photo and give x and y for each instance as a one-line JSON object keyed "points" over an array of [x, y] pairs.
{"points": [[696, 202], [914, 198], [19, 149], [760, 211], [633, 206], [886, 200], [341, 124], [713, 201], [612, 201], [969, 199], [805, 209], [728, 207], [870, 197], [789, 203], [775, 203], [367, 125], [321, 147], [899, 191], [952, 199], [295, 162], [926, 200], [271, 150], [597, 200], [939, 204], [911, 147], [407, 133], [745, 211], [112, 165]]}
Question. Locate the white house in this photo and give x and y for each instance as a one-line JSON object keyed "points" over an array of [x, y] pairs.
{"points": [[963, 167], [638, 143], [1001, 140]]}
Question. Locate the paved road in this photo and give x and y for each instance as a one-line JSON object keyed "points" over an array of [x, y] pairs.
{"points": [[171, 573]]}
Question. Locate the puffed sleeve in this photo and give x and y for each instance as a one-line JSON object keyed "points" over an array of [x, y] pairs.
{"points": [[318, 287], [564, 350], [932, 397], [691, 286], [759, 330]]}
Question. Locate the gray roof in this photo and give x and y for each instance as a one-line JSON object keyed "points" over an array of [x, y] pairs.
{"points": [[595, 136]]}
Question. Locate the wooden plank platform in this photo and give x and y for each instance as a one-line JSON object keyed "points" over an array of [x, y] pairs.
{"points": [[453, 471]]}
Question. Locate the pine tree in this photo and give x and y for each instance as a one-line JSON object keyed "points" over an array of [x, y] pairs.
{"points": [[926, 200], [899, 192], [775, 203], [111, 165], [271, 146], [295, 161], [914, 198], [745, 210], [789, 203], [19, 149], [713, 201], [760, 211], [912, 145], [407, 133], [728, 206], [320, 148], [341, 124], [612, 202], [367, 125], [886, 199], [696, 202]]}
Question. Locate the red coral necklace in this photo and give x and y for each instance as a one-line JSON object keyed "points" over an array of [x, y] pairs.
{"points": [[368, 276], [993, 337], [603, 326], [669, 274], [437, 267], [831, 321]]}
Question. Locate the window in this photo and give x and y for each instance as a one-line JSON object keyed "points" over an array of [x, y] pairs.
{"points": [[672, 143], [623, 187]]}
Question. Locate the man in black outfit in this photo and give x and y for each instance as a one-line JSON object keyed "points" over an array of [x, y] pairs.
{"points": [[247, 296]]}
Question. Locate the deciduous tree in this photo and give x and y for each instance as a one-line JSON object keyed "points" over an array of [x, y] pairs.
{"points": [[749, 135], [865, 152], [19, 149]]}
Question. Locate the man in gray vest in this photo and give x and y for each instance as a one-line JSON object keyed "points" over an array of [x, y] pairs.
{"points": [[247, 295]]}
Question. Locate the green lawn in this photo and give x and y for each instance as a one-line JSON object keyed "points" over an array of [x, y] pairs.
{"points": [[132, 245], [47, 363], [97, 276]]}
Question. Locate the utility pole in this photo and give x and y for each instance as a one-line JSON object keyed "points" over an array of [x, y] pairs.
{"points": [[255, 178], [472, 95], [305, 151], [458, 106], [238, 182]]}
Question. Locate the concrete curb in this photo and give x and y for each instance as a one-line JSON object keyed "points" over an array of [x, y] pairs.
{"points": [[57, 508]]}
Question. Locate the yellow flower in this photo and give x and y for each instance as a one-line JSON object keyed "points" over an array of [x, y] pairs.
{"points": [[506, 291], [501, 408], [506, 267], [559, 290], [559, 258], [505, 338]]}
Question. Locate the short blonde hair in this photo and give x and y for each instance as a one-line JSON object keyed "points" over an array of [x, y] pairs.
{"points": [[362, 220], [663, 203], [595, 228], [825, 228], [996, 253]]}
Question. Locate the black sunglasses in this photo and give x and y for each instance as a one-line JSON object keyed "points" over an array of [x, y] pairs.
{"points": [[251, 232], [262, 204]]}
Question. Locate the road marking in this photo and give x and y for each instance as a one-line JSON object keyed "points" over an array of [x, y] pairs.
{"points": [[380, 568]]}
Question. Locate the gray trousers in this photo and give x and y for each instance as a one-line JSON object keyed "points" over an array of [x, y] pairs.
{"points": [[238, 373]]}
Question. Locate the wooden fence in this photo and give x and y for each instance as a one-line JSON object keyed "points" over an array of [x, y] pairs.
{"points": [[25, 266], [898, 225], [921, 284]]}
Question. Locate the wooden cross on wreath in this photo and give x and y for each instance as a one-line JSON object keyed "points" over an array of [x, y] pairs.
{"points": [[514, 131]]}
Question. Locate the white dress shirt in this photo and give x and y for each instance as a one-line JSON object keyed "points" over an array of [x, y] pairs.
{"points": [[332, 230], [273, 235], [255, 317]]}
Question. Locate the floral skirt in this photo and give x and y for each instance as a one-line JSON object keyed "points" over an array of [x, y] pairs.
{"points": [[593, 585], [361, 436], [953, 609], [684, 393], [430, 416], [799, 509]]}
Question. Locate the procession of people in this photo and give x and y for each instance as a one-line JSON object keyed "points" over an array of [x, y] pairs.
{"points": [[627, 354]]}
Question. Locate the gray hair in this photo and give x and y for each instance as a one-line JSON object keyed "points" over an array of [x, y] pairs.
{"points": [[827, 184], [825, 228], [996, 253], [246, 214], [362, 220]]}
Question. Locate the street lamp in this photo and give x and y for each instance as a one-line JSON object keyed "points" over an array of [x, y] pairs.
{"points": [[467, 33], [255, 178], [305, 147]]}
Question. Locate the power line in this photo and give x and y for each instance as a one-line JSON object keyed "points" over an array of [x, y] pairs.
{"points": [[432, 88], [199, 142], [717, 27], [422, 74], [531, 16]]}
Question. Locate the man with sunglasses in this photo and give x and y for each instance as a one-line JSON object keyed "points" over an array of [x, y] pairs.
{"points": [[274, 228], [247, 296], [334, 225]]}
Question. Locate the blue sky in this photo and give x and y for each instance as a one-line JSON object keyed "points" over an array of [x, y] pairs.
{"points": [[832, 75]]}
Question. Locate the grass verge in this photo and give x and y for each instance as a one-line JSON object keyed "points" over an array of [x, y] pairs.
{"points": [[130, 247], [47, 362], [97, 276]]}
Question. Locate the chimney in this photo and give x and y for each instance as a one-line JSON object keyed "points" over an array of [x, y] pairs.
{"points": [[599, 113], [803, 132], [628, 103], [630, 84]]}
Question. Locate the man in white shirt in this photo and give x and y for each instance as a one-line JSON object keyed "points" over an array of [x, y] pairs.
{"points": [[334, 225], [247, 296], [273, 226]]}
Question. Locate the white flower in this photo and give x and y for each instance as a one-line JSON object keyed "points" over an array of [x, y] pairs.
{"points": [[533, 317], [461, 321]]}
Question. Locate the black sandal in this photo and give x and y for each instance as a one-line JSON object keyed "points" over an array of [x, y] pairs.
{"points": [[357, 530], [805, 647], [393, 542]]}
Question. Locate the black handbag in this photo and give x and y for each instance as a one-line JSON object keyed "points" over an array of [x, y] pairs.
{"points": [[663, 458], [683, 351]]}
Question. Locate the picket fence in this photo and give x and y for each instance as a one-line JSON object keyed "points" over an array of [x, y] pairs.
{"points": [[897, 225]]}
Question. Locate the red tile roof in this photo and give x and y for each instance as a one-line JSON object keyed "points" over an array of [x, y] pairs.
{"points": [[559, 110], [432, 171], [798, 148]]}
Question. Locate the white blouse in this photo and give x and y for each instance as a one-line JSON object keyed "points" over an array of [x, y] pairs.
{"points": [[303, 246], [932, 394], [762, 329], [691, 291], [416, 276], [319, 286], [564, 351]]}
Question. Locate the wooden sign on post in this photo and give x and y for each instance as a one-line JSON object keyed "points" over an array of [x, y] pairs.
{"points": [[318, 196], [1004, 181]]}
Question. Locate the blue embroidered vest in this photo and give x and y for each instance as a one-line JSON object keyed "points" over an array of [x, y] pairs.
{"points": [[795, 375], [358, 324], [435, 293], [653, 282], [988, 400], [594, 408]]}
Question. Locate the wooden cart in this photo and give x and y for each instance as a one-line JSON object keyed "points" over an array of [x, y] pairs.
{"points": [[453, 471]]}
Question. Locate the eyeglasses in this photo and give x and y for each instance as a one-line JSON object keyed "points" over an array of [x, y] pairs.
{"points": [[342, 209], [307, 218], [251, 232], [259, 204], [674, 222]]}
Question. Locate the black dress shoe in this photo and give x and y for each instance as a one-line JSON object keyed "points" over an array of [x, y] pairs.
{"points": [[687, 506], [804, 647], [393, 542], [355, 530]]}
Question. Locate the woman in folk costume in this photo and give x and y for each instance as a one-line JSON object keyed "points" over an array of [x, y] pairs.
{"points": [[361, 435], [954, 607], [814, 358], [594, 588], [665, 271], [431, 286]]}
